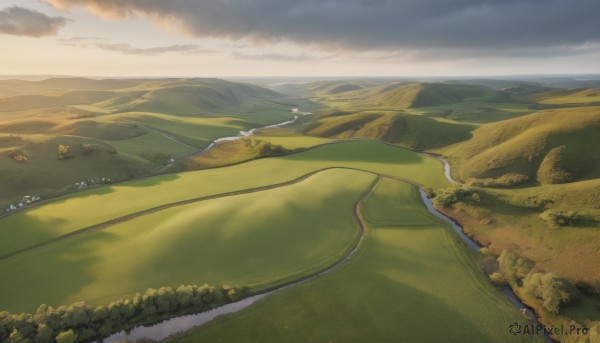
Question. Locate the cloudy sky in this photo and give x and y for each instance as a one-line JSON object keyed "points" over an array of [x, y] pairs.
{"points": [[299, 37]]}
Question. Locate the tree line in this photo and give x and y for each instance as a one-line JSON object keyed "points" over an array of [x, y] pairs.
{"points": [[81, 322]]}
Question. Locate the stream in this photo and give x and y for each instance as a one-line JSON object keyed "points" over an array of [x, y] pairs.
{"points": [[242, 134], [184, 323]]}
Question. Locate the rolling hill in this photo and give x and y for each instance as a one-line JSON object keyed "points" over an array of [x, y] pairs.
{"points": [[569, 97], [550, 146], [132, 128], [417, 132], [403, 95]]}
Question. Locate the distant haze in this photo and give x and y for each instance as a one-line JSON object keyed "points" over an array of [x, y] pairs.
{"points": [[299, 37]]}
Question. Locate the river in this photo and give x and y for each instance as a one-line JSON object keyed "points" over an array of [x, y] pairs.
{"points": [[242, 134]]}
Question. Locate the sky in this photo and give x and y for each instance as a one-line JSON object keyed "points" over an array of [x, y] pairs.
{"points": [[237, 38]]}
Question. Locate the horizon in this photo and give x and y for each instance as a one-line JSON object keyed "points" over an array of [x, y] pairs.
{"points": [[513, 77]]}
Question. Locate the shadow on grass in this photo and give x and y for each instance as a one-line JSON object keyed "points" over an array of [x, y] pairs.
{"points": [[151, 181], [52, 274], [359, 151]]}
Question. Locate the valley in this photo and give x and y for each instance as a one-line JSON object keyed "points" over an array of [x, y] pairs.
{"points": [[138, 191]]}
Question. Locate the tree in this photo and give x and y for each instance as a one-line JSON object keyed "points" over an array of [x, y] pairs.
{"points": [[64, 151], [15, 337], [548, 289], [560, 218], [448, 196], [44, 334], [66, 337], [512, 267]]}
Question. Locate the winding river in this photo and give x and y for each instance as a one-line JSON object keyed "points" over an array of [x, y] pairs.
{"points": [[242, 134], [184, 323]]}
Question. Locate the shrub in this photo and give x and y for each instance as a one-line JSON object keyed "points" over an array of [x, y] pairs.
{"points": [[548, 289], [17, 155], [448, 196], [560, 218], [66, 337], [506, 180], [263, 148], [513, 268], [89, 148], [498, 279], [64, 151]]}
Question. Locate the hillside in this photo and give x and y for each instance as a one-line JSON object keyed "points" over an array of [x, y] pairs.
{"points": [[323, 88], [569, 97], [117, 129], [415, 132], [403, 95], [551, 146]]}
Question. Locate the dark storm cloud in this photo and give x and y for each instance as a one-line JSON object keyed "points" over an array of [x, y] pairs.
{"points": [[486, 25], [25, 22]]}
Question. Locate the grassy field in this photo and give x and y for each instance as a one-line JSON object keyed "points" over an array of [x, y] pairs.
{"points": [[412, 280], [154, 147], [255, 239], [80, 210]]}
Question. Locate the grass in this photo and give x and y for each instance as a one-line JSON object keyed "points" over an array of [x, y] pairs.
{"points": [[255, 239], [412, 131], [411, 281], [473, 112], [153, 146], [404, 95], [510, 219], [44, 174], [72, 110], [80, 210], [585, 96], [520, 145]]}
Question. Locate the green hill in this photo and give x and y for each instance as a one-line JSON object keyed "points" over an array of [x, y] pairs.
{"points": [[134, 127], [403, 95], [27, 102], [569, 97], [433, 94], [52, 85], [551, 146], [412, 131], [322, 88]]}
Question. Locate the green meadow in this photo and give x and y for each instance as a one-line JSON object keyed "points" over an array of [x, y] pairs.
{"points": [[257, 240], [80, 210], [412, 280]]}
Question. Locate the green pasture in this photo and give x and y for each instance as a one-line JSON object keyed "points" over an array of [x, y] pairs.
{"points": [[153, 146], [94, 206], [412, 280], [256, 239]]}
